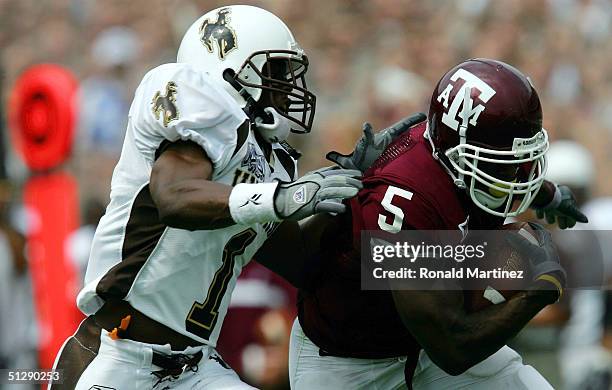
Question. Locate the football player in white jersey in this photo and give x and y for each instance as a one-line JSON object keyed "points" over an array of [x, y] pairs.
{"points": [[203, 179]]}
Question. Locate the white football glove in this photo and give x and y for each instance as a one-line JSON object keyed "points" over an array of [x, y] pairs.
{"points": [[315, 192]]}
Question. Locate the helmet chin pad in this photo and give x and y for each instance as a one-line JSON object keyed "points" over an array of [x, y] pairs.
{"points": [[488, 200], [277, 130]]}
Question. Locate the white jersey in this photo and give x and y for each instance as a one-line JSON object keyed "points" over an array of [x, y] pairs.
{"points": [[180, 278]]}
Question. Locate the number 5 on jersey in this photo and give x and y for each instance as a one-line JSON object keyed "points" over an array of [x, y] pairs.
{"points": [[398, 213]]}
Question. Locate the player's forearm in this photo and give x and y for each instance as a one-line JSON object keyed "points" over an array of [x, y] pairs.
{"points": [[456, 340], [284, 253], [293, 250], [312, 229], [479, 335], [203, 204], [545, 195], [195, 205]]}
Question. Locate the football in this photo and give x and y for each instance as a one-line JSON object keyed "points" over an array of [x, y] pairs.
{"points": [[506, 258]]}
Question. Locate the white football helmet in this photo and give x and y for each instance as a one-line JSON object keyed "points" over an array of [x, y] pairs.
{"points": [[249, 50]]}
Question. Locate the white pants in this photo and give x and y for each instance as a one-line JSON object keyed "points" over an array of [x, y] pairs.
{"points": [[126, 364], [308, 370]]}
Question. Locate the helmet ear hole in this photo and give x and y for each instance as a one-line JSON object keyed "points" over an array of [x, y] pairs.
{"points": [[228, 72], [229, 75]]}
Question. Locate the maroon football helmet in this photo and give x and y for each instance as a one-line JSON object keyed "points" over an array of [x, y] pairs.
{"points": [[485, 126]]}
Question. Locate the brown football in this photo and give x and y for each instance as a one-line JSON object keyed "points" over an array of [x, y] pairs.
{"points": [[507, 258]]}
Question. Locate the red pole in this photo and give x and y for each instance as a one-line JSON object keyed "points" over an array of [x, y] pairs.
{"points": [[42, 117], [51, 201]]}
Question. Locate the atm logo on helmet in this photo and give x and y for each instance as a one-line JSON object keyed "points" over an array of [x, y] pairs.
{"points": [[452, 117]]}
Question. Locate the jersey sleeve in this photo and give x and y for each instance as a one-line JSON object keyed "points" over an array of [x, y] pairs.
{"points": [[391, 208], [179, 102]]}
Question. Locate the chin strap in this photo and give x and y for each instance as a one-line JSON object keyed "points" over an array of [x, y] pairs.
{"points": [[459, 182], [293, 152], [467, 108], [259, 115]]}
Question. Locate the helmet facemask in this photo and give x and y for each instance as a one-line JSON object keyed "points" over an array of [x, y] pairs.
{"points": [[489, 190], [276, 78], [493, 192]]}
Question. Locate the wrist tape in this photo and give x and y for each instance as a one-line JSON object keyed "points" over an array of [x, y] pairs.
{"points": [[556, 200], [253, 203]]}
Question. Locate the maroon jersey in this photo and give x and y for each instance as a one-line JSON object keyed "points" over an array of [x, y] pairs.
{"points": [[404, 189]]}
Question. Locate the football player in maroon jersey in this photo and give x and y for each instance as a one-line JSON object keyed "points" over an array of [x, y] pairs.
{"points": [[477, 159]]}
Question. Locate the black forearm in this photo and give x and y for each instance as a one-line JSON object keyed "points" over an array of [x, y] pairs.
{"points": [[545, 194], [293, 249], [456, 340], [195, 205], [312, 230], [284, 253], [481, 334]]}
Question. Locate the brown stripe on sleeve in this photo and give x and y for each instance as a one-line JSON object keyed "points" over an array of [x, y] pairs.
{"points": [[142, 233]]}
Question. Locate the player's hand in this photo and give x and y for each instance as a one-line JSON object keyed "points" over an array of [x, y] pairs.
{"points": [[548, 276], [563, 209], [316, 192], [370, 146]]}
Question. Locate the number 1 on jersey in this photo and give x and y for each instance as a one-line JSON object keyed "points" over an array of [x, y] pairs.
{"points": [[202, 317]]}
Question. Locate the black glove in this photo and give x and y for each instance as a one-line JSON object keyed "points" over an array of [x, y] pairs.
{"points": [[563, 209], [546, 272], [370, 146]]}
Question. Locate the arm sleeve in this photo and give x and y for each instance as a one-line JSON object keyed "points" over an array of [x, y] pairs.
{"points": [[199, 110]]}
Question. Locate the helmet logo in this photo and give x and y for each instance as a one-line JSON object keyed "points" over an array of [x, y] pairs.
{"points": [[219, 31], [164, 104], [471, 113]]}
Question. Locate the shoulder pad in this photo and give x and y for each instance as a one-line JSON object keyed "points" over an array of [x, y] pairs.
{"points": [[180, 101]]}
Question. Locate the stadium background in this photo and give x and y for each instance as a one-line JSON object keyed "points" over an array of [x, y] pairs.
{"points": [[370, 60]]}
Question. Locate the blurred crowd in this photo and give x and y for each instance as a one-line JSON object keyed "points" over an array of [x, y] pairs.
{"points": [[374, 60]]}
